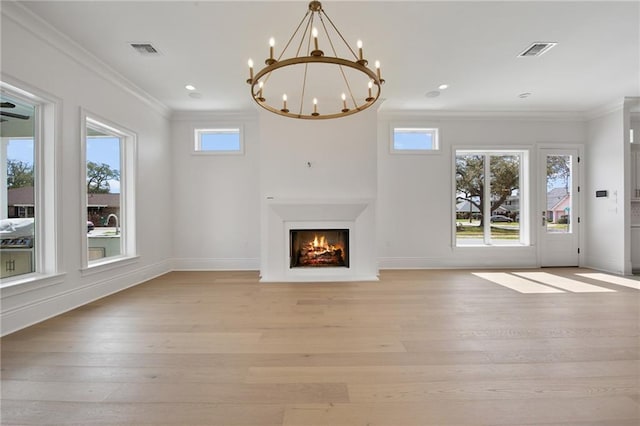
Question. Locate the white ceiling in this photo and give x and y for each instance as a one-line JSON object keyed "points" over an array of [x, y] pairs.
{"points": [[472, 46]]}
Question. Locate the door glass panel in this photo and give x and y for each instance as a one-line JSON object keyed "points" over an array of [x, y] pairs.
{"points": [[558, 216], [469, 192]]}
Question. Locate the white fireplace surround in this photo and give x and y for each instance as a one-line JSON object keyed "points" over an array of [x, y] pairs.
{"points": [[282, 215]]}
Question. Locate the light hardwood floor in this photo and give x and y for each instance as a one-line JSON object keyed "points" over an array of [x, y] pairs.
{"points": [[435, 347]]}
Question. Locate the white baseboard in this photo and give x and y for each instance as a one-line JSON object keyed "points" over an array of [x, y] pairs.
{"points": [[33, 311], [453, 263], [605, 265], [212, 264]]}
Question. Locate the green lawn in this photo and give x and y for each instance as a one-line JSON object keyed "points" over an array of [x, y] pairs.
{"points": [[502, 230]]}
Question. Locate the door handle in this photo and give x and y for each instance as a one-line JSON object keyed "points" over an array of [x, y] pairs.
{"points": [[544, 218]]}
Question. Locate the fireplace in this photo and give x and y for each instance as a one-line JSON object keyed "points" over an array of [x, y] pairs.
{"points": [[318, 248]]}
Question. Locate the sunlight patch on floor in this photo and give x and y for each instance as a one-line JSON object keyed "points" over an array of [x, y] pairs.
{"points": [[563, 282], [611, 279], [516, 283]]}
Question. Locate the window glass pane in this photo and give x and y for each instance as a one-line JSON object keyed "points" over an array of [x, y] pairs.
{"points": [[505, 199], [495, 221], [104, 165], [558, 198], [414, 139], [218, 140], [469, 197], [17, 212]]}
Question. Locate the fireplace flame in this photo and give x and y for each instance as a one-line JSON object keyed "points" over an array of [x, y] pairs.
{"points": [[320, 250]]}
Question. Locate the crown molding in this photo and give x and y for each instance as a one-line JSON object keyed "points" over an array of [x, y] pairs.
{"points": [[605, 109], [483, 115], [213, 115], [61, 42]]}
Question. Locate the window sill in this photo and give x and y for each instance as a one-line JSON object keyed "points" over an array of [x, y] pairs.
{"points": [[107, 265], [29, 282], [492, 246]]}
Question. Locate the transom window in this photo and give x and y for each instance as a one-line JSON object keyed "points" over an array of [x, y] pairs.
{"points": [[218, 140], [414, 140]]}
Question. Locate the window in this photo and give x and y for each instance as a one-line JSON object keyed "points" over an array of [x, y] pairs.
{"points": [[109, 187], [490, 189], [17, 215], [28, 242], [219, 141], [413, 140]]}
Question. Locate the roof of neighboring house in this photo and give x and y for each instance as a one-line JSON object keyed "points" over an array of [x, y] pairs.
{"points": [[20, 196], [103, 200], [466, 207], [556, 196], [24, 197]]}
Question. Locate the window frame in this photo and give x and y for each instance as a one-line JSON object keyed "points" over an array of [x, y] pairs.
{"points": [[48, 246], [433, 130], [525, 189], [128, 184], [199, 131]]}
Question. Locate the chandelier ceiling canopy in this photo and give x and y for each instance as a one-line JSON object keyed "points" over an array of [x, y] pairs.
{"points": [[324, 78]]}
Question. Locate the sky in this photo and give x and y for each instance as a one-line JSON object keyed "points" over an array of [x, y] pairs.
{"points": [[99, 150]]}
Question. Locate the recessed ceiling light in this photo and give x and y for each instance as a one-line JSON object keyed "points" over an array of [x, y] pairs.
{"points": [[524, 95], [190, 87], [443, 86]]}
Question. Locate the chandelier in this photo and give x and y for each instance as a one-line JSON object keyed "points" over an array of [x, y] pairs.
{"points": [[310, 84]]}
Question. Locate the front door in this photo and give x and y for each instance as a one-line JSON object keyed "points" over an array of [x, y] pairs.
{"points": [[558, 216]]}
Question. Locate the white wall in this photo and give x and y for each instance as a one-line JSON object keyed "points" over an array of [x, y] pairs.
{"points": [[42, 60], [216, 197], [342, 153], [416, 194], [321, 160], [605, 219]]}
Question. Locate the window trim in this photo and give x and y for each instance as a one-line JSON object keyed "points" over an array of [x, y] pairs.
{"points": [[525, 186], [198, 131], [128, 185], [433, 130], [47, 154]]}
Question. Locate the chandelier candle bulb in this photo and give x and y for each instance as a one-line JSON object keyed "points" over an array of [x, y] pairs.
{"points": [[344, 102], [378, 70], [260, 86], [314, 33], [250, 63], [360, 49], [272, 43], [370, 98], [315, 107], [284, 103]]}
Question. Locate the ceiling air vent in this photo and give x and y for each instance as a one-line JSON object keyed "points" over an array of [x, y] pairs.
{"points": [[536, 49], [145, 49]]}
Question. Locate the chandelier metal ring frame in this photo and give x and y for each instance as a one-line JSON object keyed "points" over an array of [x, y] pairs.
{"points": [[316, 56]]}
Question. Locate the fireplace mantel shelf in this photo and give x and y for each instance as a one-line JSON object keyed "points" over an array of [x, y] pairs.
{"points": [[319, 209]]}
